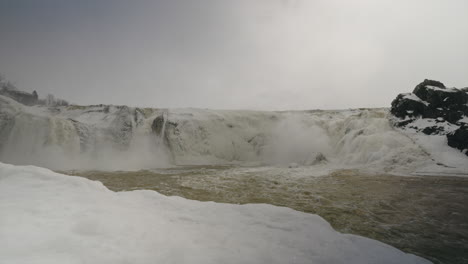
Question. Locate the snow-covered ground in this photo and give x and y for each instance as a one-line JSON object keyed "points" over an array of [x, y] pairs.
{"points": [[52, 218], [446, 160]]}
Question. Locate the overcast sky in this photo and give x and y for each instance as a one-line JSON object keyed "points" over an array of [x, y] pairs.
{"points": [[238, 54]]}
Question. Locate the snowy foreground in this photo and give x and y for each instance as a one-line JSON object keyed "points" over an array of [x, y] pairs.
{"points": [[51, 218]]}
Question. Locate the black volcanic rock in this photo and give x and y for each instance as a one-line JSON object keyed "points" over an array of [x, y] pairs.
{"points": [[406, 105], [430, 99], [445, 107], [432, 130], [421, 90], [459, 139], [439, 96]]}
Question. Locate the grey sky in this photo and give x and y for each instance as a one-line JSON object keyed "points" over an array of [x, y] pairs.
{"points": [[233, 54]]}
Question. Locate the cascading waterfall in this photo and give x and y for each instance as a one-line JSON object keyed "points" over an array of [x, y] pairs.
{"points": [[122, 138], [165, 116]]}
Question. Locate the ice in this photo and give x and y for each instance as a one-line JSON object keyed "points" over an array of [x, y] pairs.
{"points": [[122, 138], [449, 90], [52, 218], [448, 161], [413, 97], [464, 120]]}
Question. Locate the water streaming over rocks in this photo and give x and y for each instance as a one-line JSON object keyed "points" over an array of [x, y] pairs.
{"points": [[124, 138]]}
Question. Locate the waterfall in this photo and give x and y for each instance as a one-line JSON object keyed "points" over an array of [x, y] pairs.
{"points": [[111, 138], [163, 130]]}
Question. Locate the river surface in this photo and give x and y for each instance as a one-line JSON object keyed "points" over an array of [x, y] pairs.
{"points": [[423, 215]]}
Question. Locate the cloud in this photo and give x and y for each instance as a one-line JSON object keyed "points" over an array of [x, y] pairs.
{"points": [[233, 54]]}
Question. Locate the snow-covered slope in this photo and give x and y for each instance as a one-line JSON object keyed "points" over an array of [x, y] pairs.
{"points": [[52, 218], [125, 138], [436, 118]]}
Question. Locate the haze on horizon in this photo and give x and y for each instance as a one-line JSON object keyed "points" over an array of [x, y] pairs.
{"points": [[243, 54]]}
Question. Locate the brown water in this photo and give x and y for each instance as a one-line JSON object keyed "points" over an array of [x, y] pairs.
{"points": [[426, 216]]}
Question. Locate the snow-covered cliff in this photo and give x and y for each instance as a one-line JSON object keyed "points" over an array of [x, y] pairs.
{"points": [[120, 137]]}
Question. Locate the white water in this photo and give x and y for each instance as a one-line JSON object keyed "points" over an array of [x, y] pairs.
{"points": [[95, 140], [121, 138]]}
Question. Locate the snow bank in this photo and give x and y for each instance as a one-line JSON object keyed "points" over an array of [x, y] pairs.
{"points": [[52, 218], [447, 161]]}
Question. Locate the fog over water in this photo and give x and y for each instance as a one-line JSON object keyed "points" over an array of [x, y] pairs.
{"points": [[258, 54]]}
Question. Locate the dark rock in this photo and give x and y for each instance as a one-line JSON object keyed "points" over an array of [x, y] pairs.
{"points": [[404, 123], [430, 83], [85, 134], [421, 90], [453, 116], [403, 106], [433, 130], [157, 125], [438, 102], [138, 116], [320, 158], [440, 97], [459, 139], [20, 96], [123, 128], [432, 100]]}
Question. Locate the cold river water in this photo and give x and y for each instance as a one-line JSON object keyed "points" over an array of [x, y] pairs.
{"points": [[423, 215]]}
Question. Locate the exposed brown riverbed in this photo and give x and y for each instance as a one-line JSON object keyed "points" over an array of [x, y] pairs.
{"points": [[426, 216]]}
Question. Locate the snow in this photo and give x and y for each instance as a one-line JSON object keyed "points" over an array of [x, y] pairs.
{"points": [[449, 90], [347, 138], [52, 218], [413, 97], [454, 162], [121, 138], [464, 120]]}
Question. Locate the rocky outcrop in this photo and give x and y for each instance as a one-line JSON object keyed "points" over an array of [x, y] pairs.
{"points": [[20, 96], [121, 127], [163, 128], [444, 111], [158, 125], [459, 139], [431, 99]]}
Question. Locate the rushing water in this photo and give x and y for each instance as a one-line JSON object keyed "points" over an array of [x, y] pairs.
{"points": [[426, 216]]}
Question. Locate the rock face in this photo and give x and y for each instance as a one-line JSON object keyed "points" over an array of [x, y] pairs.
{"points": [[444, 111], [459, 139], [158, 125], [20, 96]]}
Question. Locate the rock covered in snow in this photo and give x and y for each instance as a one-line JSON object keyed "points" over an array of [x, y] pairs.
{"points": [[431, 99], [20, 96], [108, 137], [158, 124], [459, 139], [443, 111]]}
